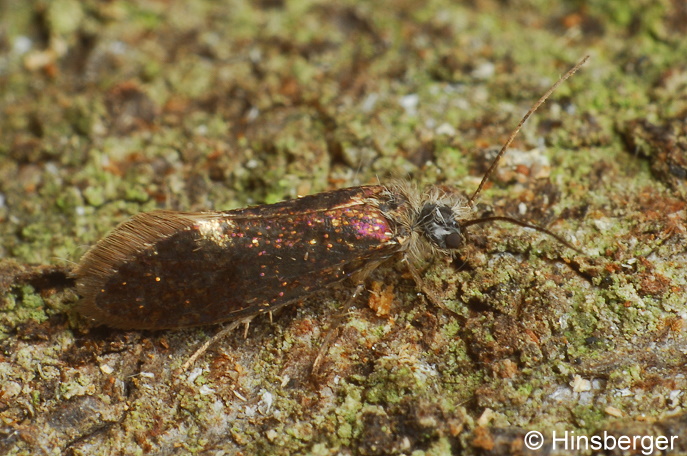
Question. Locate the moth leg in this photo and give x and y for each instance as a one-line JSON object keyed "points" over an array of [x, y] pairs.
{"points": [[333, 334], [428, 292], [220, 335]]}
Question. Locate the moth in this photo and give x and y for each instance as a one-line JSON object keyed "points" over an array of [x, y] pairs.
{"points": [[166, 269]]}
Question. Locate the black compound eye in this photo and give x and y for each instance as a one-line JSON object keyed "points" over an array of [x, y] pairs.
{"points": [[439, 225], [454, 240]]}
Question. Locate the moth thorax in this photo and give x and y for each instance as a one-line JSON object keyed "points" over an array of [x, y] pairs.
{"points": [[438, 223]]}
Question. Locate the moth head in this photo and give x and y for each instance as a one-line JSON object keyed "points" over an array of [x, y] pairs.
{"points": [[439, 225]]}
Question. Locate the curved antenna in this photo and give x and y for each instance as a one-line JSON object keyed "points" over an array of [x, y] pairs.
{"points": [[498, 218], [539, 102]]}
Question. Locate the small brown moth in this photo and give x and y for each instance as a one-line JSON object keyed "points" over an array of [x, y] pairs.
{"points": [[165, 270]]}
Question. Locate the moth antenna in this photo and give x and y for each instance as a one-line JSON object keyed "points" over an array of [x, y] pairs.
{"points": [[512, 136], [524, 225]]}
